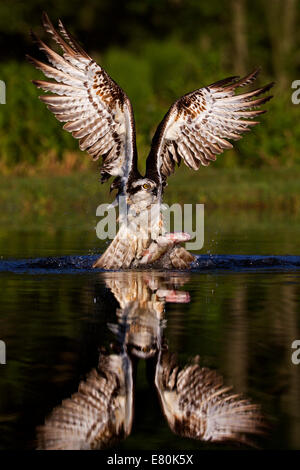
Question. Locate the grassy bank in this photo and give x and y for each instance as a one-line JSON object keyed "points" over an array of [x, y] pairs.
{"points": [[29, 201]]}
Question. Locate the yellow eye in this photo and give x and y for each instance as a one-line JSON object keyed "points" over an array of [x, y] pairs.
{"points": [[146, 186]]}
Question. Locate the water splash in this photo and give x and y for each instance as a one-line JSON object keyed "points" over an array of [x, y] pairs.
{"points": [[208, 262]]}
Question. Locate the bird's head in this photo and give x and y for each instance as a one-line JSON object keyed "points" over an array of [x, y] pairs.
{"points": [[143, 189]]}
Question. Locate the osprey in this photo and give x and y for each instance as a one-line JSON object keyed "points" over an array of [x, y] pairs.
{"points": [[99, 113]]}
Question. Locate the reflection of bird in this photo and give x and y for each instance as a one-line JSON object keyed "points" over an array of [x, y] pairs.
{"points": [[98, 414], [101, 412], [98, 113], [142, 297], [193, 399], [197, 405]]}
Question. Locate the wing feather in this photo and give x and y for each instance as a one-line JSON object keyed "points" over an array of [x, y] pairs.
{"points": [[199, 125], [94, 108], [97, 415], [197, 405]]}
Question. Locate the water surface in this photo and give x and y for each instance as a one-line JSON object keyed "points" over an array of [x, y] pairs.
{"points": [[240, 314]]}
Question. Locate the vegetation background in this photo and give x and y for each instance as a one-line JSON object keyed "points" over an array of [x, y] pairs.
{"points": [[157, 50]]}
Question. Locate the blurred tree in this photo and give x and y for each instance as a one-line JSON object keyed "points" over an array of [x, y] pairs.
{"points": [[239, 36], [281, 20]]}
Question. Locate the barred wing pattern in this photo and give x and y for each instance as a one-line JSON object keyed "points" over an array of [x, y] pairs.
{"points": [[96, 110], [197, 405], [197, 126], [96, 416]]}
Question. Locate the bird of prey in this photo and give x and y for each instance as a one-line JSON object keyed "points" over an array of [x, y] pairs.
{"points": [[196, 128]]}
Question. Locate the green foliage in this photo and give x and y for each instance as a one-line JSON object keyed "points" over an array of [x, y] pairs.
{"points": [[26, 128], [153, 77], [157, 51], [276, 141], [69, 202]]}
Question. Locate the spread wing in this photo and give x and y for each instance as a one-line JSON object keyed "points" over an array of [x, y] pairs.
{"points": [[197, 405], [96, 416], [95, 109], [198, 126]]}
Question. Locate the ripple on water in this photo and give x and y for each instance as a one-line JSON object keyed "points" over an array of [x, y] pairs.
{"points": [[77, 264]]}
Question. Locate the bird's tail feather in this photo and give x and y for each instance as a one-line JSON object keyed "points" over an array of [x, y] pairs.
{"points": [[127, 247], [120, 253]]}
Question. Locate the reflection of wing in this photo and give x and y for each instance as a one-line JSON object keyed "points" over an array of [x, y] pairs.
{"points": [[96, 110], [198, 125], [197, 405], [95, 416]]}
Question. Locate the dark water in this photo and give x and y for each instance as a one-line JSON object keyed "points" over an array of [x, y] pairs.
{"points": [[239, 314], [238, 309]]}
